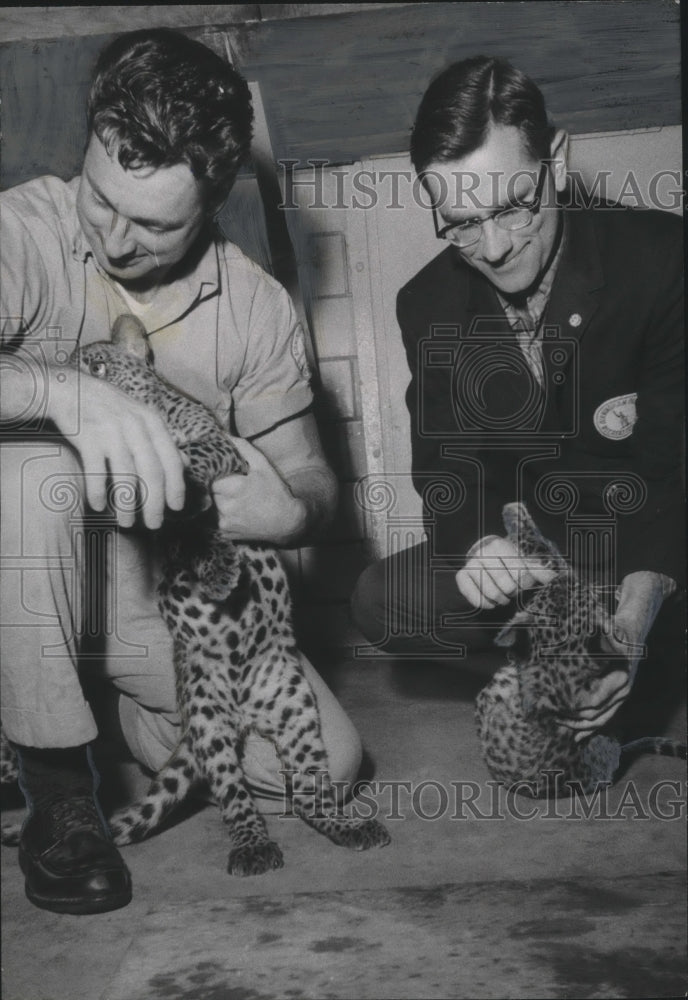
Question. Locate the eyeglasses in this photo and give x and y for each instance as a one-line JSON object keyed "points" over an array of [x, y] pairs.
{"points": [[516, 216]]}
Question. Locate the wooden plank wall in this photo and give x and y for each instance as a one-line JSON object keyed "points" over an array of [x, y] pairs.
{"points": [[345, 86], [21, 23]]}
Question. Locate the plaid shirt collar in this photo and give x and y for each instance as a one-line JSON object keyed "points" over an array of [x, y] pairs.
{"points": [[527, 316]]}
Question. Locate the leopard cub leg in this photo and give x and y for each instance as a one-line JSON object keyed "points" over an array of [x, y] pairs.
{"points": [[293, 725], [214, 732], [212, 458], [252, 852], [218, 567], [213, 555], [314, 802]]}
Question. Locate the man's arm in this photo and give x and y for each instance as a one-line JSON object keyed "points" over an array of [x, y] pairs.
{"points": [[290, 492], [639, 599], [650, 543], [115, 436], [652, 537]]}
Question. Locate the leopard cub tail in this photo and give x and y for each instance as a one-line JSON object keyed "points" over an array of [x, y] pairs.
{"points": [[168, 789], [9, 774], [655, 744]]}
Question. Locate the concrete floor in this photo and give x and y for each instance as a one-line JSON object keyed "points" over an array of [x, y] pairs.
{"points": [[474, 900]]}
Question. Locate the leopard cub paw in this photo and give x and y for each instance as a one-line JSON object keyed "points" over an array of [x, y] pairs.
{"points": [[255, 859]]}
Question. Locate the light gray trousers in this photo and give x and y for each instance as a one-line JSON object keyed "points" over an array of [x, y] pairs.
{"points": [[64, 575]]}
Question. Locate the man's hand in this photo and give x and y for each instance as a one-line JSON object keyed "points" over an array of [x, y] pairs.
{"points": [[119, 440], [258, 506], [605, 699], [496, 572], [640, 597]]}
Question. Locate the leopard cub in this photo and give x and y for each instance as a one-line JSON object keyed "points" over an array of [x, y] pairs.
{"points": [[227, 607], [555, 658]]}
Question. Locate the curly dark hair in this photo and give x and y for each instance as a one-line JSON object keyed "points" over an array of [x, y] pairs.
{"points": [[160, 98], [464, 100]]}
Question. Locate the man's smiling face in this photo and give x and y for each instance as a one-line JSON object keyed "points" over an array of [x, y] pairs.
{"points": [[139, 222], [476, 186]]}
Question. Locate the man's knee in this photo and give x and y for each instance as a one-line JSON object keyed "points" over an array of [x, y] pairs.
{"points": [[42, 496], [345, 762], [151, 736]]}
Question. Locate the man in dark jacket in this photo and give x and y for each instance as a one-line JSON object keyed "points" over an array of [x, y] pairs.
{"points": [[545, 349]]}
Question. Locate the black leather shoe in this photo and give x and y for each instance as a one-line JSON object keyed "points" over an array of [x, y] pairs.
{"points": [[69, 863]]}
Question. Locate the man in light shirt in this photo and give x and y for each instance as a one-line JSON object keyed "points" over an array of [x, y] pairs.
{"points": [[169, 125]]}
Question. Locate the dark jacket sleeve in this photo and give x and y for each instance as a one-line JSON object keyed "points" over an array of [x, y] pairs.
{"points": [[653, 537]]}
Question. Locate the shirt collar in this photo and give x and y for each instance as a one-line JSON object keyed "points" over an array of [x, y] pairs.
{"points": [[199, 278], [80, 246]]}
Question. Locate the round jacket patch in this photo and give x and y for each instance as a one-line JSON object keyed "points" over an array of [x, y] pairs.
{"points": [[298, 351], [615, 417]]}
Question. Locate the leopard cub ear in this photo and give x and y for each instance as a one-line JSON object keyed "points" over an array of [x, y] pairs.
{"points": [[129, 333], [507, 637], [525, 535], [515, 632]]}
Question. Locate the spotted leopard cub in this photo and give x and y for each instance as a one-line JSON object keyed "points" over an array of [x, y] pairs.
{"points": [[227, 607], [555, 657]]}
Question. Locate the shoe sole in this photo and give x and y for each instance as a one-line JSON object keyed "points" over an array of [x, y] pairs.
{"points": [[96, 904], [104, 905]]}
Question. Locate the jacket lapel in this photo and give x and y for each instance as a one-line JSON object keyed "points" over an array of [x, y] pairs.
{"points": [[500, 388], [572, 306]]}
